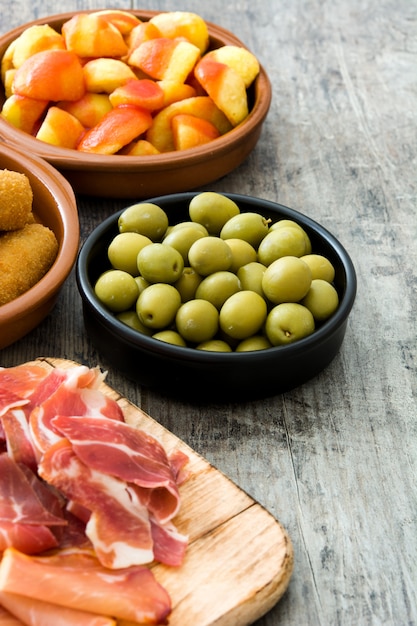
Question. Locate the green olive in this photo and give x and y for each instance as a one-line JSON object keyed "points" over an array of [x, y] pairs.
{"points": [[124, 249], [250, 277], [141, 283], [256, 342], [182, 239], [212, 210], [321, 299], [197, 321], [209, 255], [284, 223], [117, 290], [250, 227], [187, 224], [157, 305], [286, 241], [160, 263], [320, 267], [187, 283], [130, 318], [288, 322], [242, 253], [170, 336], [214, 345], [217, 287], [243, 314], [286, 280], [145, 218]]}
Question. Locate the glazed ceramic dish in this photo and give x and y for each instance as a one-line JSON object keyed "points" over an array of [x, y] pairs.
{"points": [[116, 176], [213, 376], [55, 205]]}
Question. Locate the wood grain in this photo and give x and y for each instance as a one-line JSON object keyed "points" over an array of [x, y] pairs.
{"points": [[335, 460]]}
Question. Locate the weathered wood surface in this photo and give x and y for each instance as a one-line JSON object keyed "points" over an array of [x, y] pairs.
{"points": [[335, 460]]}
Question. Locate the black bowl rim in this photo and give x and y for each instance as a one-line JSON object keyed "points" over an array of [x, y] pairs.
{"points": [[184, 354]]}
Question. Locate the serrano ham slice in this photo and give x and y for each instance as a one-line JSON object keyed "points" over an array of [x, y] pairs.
{"points": [[28, 509], [24, 498], [7, 619], [120, 450], [79, 581], [9, 400], [69, 399], [22, 380], [169, 545], [29, 538], [77, 377], [119, 526], [19, 444], [37, 613]]}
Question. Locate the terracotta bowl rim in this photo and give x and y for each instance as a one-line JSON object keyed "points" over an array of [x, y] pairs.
{"points": [[66, 206], [68, 158]]}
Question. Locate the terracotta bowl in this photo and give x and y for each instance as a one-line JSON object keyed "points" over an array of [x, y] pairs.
{"points": [[55, 205], [214, 376], [147, 176]]}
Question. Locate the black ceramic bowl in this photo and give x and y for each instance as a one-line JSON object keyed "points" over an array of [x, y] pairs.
{"points": [[197, 375]]}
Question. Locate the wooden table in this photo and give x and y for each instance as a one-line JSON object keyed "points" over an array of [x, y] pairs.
{"points": [[335, 460]]}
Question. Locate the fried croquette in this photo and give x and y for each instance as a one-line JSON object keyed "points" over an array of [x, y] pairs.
{"points": [[16, 197], [25, 257]]}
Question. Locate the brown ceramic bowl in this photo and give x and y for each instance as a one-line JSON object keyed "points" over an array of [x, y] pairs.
{"points": [[54, 204], [147, 176]]}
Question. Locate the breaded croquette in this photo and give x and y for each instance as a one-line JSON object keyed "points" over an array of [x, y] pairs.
{"points": [[16, 197], [25, 257]]}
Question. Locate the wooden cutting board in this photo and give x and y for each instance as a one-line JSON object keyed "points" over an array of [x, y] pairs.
{"points": [[239, 559]]}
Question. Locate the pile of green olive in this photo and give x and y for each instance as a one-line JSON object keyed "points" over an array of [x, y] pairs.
{"points": [[225, 280]]}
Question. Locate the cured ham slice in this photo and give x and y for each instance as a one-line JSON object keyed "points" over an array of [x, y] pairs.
{"points": [[7, 619], [69, 399], [73, 534], [9, 400], [18, 438], [38, 613], [79, 581], [119, 526], [77, 377], [28, 509], [169, 544], [22, 380], [24, 499], [177, 461], [47, 387], [120, 450], [28, 538]]}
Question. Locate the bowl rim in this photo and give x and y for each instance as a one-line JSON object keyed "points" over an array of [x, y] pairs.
{"points": [[68, 158], [64, 196], [135, 339]]}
